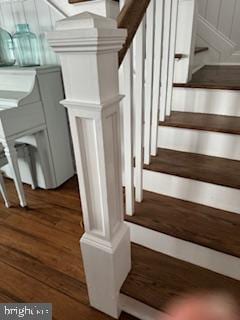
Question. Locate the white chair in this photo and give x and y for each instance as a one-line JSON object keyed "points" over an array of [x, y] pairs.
{"points": [[24, 150]]}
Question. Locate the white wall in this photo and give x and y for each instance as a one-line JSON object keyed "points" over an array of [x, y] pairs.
{"points": [[224, 15], [38, 15], [219, 30]]}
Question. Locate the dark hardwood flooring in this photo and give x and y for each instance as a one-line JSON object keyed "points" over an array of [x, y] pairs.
{"points": [[198, 167], [40, 259], [215, 77], [202, 121], [189, 221], [156, 279]]}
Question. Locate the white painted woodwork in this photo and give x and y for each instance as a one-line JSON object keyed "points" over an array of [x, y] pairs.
{"points": [[165, 58], [139, 310], [41, 18], [209, 143], [139, 106], [30, 113], [127, 108], [222, 102], [88, 47], [221, 48], [11, 155], [172, 50], [223, 16], [158, 38], [204, 257], [42, 15], [186, 39], [105, 8], [150, 25], [3, 192], [208, 194]]}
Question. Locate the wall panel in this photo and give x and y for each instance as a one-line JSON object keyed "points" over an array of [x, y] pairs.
{"points": [[38, 15], [224, 15]]}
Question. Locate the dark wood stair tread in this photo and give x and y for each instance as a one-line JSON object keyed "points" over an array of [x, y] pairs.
{"points": [[189, 221], [201, 49], [201, 121], [179, 56], [197, 50], [199, 167], [156, 279], [215, 77], [126, 316]]}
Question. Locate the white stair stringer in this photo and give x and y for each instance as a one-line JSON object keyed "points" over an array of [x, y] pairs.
{"points": [[213, 101], [201, 256], [215, 144], [212, 195]]}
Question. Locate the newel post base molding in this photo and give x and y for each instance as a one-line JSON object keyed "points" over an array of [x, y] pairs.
{"points": [[88, 47]]}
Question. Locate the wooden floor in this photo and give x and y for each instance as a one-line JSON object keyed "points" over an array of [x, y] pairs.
{"points": [[215, 77], [40, 259]]}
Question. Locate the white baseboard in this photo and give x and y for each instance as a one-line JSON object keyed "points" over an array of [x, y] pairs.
{"points": [[222, 102], [139, 309], [187, 251], [209, 143], [204, 193]]}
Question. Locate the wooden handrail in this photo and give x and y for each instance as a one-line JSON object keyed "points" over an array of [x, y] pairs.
{"points": [[130, 18]]}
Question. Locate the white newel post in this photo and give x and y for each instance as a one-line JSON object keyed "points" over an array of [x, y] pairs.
{"points": [[88, 47]]}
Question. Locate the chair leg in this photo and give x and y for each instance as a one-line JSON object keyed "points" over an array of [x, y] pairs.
{"points": [[11, 155], [28, 157], [4, 191]]}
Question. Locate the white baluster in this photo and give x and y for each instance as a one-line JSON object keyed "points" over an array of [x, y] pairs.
{"points": [[126, 75], [172, 51], [165, 57], [186, 38], [127, 108], [88, 47], [159, 16], [149, 80], [139, 99]]}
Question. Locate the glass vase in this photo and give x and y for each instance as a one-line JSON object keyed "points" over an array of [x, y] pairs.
{"points": [[26, 46], [6, 49]]}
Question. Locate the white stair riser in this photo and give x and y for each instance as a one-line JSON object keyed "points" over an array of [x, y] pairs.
{"points": [[222, 102], [208, 194], [209, 143], [187, 251], [139, 310]]}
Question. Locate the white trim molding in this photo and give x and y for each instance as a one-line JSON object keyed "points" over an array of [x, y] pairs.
{"points": [[105, 8], [221, 48], [88, 47]]}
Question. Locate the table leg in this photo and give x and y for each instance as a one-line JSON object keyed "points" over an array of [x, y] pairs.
{"points": [[11, 155]]}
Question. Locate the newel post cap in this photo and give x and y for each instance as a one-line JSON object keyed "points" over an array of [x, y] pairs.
{"points": [[86, 20], [87, 32]]}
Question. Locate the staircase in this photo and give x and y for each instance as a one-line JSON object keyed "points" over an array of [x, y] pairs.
{"points": [[182, 203]]}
